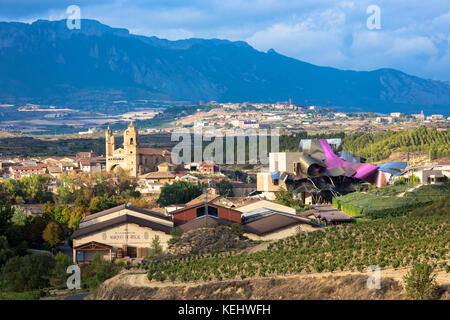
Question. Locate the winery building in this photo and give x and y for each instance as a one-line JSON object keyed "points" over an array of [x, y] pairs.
{"points": [[128, 231], [118, 232]]}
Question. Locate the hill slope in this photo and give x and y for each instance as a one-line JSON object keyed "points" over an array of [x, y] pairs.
{"points": [[44, 62]]}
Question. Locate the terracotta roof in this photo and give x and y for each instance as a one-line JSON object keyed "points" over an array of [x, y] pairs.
{"points": [[445, 162], [85, 162], [53, 169], [153, 151], [30, 168], [201, 199], [120, 220], [158, 175]]}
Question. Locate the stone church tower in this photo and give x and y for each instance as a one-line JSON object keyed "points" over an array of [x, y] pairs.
{"points": [[126, 158], [109, 143], [131, 158], [130, 146]]}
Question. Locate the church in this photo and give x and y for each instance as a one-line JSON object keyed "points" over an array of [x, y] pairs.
{"points": [[131, 157]]}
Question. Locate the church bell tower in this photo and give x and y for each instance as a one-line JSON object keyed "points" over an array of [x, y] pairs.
{"points": [[130, 145]]}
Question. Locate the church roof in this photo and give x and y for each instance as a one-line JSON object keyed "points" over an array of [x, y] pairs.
{"points": [[153, 151]]}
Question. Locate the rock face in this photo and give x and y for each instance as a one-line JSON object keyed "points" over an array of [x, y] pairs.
{"points": [[205, 240], [44, 62], [301, 288]]}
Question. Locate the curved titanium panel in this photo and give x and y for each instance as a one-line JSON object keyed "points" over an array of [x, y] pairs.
{"points": [[311, 166], [364, 171]]}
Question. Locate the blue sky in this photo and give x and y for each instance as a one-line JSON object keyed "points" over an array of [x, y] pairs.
{"points": [[414, 35]]}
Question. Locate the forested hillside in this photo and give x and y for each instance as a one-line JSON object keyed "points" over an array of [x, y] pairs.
{"points": [[379, 146]]}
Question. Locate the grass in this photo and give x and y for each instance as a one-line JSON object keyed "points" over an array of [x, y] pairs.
{"points": [[27, 295]]}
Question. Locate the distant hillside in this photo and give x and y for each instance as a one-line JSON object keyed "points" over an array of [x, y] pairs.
{"points": [[44, 62]]}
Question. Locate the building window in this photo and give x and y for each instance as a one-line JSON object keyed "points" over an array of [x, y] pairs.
{"points": [[212, 211], [131, 141]]}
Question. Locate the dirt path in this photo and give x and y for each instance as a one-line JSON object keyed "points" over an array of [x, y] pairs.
{"points": [[401, 194]]}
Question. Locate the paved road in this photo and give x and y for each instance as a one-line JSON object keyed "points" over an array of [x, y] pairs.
{"points": [[66, 250], [79, 296]]}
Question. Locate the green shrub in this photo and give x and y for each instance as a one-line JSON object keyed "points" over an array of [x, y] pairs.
{"points": [[176, 235], [420, 282], [100, 270], [28, 272]]}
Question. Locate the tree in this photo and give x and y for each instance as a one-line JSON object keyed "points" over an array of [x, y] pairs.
{"points": [[176, 235], [420, 282], [75, 217], [53, 233], [36, 229], [179, 191], [61, 214], [286, 198], [65, 191], [5, 251], [6, 213], [60, 271], [19, 217], [156, 245], [225, 188], [28, 272], [36, 187], [98, 204]]}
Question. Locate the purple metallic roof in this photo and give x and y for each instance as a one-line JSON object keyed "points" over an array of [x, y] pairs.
{"points": [[364, 171]]}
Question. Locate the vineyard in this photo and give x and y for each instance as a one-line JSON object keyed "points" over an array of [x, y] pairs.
{"points": [[385, 202], [379, 146], [393, 242]]}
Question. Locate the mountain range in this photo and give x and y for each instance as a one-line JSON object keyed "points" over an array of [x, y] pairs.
{"points": [[46, 63]]}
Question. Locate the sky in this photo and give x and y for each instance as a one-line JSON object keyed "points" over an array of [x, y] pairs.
{"points": [[413, 35]]}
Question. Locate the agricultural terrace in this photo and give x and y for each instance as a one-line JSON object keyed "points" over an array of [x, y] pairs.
{"points": [[391, 242]]}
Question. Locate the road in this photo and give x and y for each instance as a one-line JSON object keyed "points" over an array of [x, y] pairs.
{"points": [[79, 296]]}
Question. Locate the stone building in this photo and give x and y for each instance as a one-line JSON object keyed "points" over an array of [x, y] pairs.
{"points": [[131, 157], [122, 231]]}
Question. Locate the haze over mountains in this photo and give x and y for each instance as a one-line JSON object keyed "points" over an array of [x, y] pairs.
{"points": [[45, 62]]}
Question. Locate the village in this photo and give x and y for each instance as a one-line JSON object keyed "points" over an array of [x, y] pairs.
{"points": [[294, 194]]}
